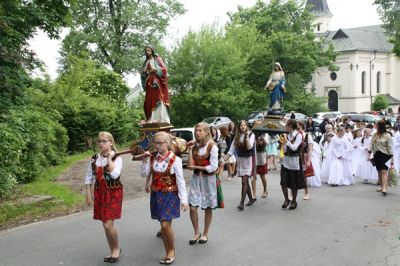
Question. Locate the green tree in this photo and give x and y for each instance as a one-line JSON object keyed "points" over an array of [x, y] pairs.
{"points": [[114, 32], [282, 31], [380, 102], [19, 21], [389, 11], [207, 78]]}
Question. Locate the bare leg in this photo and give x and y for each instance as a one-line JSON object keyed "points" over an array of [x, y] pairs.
{"points": [[207, 223], [168, 238], [194, 217], [385, 180], [264, 182], [112, 237], [306, 192], [380, 181], [254, 188], [230, 171]]}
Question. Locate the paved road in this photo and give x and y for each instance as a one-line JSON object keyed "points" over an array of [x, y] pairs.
{"points": [[339, 226]]}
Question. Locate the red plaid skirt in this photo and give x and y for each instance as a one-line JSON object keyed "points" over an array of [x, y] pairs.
{"points": [[107, 202], [262, 169]]}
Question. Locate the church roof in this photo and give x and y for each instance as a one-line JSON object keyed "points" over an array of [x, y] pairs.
{"points": [[319, 8], [391, 100], [368, 38]]}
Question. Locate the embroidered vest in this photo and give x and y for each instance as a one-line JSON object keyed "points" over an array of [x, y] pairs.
{"points": [[202, 160], [242, 149], [163, 181], [101, 174]]}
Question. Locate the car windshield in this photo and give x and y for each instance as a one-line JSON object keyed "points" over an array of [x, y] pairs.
{"points": [[315, 116], [209, 120]]}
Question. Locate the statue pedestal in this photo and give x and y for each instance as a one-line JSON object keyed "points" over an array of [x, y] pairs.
{"points": [[272, 124], [147, 132]]}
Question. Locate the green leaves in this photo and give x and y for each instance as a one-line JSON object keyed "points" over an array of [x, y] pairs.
{"points": [[389, 11], [380, 102], [115, 32]]}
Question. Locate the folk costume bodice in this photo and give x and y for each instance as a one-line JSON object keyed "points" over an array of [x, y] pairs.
{"points": [[101, 173], [202, 160], [163, 180]]}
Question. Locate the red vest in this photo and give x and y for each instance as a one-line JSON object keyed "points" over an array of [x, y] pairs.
{"points": [[202, 160], [163, 181]]}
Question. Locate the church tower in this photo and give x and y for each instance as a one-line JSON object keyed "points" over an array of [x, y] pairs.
{"points": [[320, 9]]}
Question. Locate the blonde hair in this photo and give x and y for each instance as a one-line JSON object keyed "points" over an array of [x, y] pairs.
{"points": [[206, 128], [109, 137], [164, 136]]}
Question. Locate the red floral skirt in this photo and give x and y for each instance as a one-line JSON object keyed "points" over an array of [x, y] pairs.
{"points": [[107, 202]]}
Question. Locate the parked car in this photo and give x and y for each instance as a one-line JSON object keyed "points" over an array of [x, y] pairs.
{"points": [[319, 117], [256, 116], [217, 121], [298, 116], [366, 118], [186, 133]]}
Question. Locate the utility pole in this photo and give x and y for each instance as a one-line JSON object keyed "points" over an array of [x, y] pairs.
{"points": [[370, 77]]}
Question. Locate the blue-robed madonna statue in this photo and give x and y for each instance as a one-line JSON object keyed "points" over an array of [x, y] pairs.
{"points": [[276, 87]]}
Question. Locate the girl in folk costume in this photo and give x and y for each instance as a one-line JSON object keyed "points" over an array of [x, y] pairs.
{"points": [[307, 151], [357, 155], [231, 163], [243, 146], [339, 160], [292, 175], [272, 150], [366, 171], [168, 190], [262, 165], [224, 144], [203, 160], [104, 171], [382, 150]]}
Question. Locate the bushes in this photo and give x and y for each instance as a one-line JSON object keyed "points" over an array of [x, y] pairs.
{"points": [[31, 141]]}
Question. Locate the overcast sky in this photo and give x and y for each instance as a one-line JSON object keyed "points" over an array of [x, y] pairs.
{"points": [[346, 14]]}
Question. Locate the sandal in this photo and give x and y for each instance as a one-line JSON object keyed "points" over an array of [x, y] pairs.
{"points": [[169, 261], [203, 240]]}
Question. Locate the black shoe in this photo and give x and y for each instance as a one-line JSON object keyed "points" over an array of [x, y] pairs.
{"points": [[285, 204], [384, 193], [251, 202], [293, 206], [240, 207], [159, 234], [194, 241], [113, 259], [203, 241]]}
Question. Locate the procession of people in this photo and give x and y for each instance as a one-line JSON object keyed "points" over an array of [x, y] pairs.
{"points": [[347, 153]]}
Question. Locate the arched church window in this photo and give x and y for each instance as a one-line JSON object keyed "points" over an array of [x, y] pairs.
{"points": [[378, 82], [363, 80]]}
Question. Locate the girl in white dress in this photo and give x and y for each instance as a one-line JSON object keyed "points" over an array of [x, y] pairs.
{"points": [[396, 148], [358, 152], [326, 146], [315, 180], [366, 171], [340, 168]]}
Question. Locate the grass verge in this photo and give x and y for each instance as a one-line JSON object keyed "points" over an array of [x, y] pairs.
{"points": [[15, 211]]}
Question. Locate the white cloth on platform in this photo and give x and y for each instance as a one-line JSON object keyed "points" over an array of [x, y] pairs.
{"points": [[357, 154]]}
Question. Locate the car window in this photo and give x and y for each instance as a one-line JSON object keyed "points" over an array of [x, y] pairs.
{"points": [[186, 135]]}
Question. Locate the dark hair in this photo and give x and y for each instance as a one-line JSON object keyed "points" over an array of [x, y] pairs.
{"points": [[224, 132], [380, 127], [292, 124], [300, 125]]}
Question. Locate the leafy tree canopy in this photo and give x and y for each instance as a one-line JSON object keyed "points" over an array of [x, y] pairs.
{"points": [[114, 32], [389, 11]]}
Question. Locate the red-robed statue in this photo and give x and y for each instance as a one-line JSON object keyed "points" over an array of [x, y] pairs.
{"points": [[155, 84]]}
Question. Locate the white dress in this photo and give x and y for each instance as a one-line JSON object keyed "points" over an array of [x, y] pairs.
{"points": [[396, 151], [357, 155], [245, 166], [340, 170], [315, 180], [366, 171]]}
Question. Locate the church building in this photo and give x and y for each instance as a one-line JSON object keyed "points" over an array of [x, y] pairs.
{"points": [[367, 67]]}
